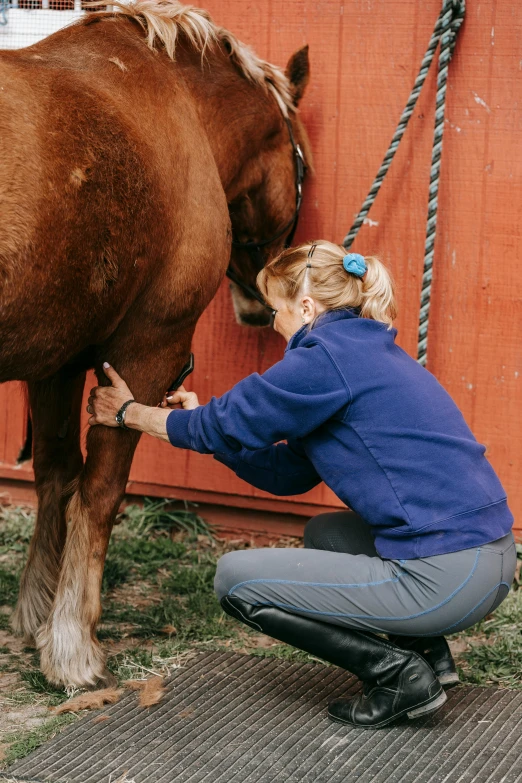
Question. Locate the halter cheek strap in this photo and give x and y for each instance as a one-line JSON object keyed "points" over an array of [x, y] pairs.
{"points": [[254, 248]]}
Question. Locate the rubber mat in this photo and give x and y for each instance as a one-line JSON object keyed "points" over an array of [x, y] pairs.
{"points": [[229, 718]]}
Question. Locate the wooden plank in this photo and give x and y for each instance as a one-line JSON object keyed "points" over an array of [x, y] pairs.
{"points": [[230, 517], [13, 421], [364, 57]]}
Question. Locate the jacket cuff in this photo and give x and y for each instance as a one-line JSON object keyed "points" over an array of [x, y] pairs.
{"points": [[178, 428], [230, 460]]}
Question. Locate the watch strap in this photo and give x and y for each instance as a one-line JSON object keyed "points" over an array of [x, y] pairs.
{"points": [[120, 416]]}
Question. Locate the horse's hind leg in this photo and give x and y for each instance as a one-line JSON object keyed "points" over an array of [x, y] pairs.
{"points": [[57, 460], [69, 651]]}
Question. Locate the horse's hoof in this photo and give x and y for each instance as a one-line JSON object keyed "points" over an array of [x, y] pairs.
{"points": [[106, 680], [79, 662], [20, 628], [27, 638]]}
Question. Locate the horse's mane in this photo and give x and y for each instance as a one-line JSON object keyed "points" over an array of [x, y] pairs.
{"points": [[163, 20]]}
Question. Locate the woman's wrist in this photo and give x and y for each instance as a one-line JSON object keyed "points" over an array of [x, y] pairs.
{"points": [[152, 421], [133, 415]]}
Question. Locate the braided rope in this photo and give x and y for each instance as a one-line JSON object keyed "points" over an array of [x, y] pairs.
{"points": [[445, 31], [4, 8], [452, 18]]}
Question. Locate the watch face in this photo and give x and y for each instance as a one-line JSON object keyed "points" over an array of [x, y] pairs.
{"points": [[119, 418]]}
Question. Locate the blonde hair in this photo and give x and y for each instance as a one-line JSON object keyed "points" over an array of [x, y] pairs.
{"points": [[326, 280]]}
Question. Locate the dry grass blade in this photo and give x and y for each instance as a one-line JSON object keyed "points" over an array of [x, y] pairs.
{"points": [[22, 780], [122, 779]]}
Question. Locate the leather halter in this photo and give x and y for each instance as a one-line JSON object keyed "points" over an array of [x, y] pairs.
{"points": [[254, 248]]}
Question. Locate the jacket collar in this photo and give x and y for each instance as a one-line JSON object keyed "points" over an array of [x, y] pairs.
{"points": [[321, 320]]}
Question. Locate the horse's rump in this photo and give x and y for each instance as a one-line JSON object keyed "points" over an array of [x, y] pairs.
{"points": [[90, 156]]}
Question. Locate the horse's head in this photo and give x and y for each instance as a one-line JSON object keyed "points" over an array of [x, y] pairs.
{"points": [[265, 207]]}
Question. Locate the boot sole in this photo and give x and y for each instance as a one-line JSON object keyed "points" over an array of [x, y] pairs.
{"points": [[432, 706], [424, 709], [449, 679]]}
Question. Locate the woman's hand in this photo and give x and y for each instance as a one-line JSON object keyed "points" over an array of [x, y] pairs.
{"points": [[106, 401], [187, 400]]}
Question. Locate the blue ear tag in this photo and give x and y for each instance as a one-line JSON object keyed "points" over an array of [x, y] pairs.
{"points": [[355, 264]]}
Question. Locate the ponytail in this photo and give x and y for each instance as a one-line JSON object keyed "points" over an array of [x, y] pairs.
{"points": [[327, 281], [377, 292]]}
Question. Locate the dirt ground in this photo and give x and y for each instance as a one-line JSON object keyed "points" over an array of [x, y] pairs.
{"points": [[159, 608]]}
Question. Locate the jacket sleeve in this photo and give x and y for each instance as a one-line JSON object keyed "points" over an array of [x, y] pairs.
{"points": [[290, 400], [283, 469]]}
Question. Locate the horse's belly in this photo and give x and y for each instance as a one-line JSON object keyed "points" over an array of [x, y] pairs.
{"points": [[32, 352], [43, 327]]}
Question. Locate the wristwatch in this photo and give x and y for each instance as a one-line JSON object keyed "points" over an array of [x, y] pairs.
{"points": [[120, 416]]}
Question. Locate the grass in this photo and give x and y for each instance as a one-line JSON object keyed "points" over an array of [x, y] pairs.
{"points": [[159, 607], [9, 586], [495, 654], [21, 743], [156, 515]]}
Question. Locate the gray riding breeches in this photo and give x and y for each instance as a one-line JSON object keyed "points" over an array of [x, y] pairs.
{"points": [[339, 578]]}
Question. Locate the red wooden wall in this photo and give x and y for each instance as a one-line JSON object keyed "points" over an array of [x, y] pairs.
{"points": [[364, 58]]}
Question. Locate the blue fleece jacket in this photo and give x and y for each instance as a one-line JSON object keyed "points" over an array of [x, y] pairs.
{"points": [[360, 414]]}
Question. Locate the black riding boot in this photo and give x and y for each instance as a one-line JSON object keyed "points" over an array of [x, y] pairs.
{"points": [[435, 650], [395, 682]]}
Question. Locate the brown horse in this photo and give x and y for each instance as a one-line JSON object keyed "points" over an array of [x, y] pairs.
{"points": [[135, 144]]}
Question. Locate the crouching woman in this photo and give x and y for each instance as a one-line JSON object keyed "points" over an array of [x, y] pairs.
{"points": [[426, 548]]}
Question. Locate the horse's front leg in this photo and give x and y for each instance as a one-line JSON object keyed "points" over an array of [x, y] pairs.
{"points": [[69, 650], [57, 460]]}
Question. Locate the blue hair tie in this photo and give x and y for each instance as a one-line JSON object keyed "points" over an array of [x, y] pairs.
{"points": [[355, 263]]}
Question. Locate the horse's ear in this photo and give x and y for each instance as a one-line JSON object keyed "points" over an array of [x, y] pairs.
{"points": [[298, 72]]}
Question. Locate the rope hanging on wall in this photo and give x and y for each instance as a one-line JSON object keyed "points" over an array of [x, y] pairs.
{"points": [[4, 8], [445, 32]]}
